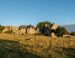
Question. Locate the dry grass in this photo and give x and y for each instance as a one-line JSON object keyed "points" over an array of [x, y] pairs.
{"points": [[44, 46]]}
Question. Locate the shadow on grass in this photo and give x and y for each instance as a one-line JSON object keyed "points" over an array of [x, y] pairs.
{"points": [[70, 52], [12, 49], [62, 52]]}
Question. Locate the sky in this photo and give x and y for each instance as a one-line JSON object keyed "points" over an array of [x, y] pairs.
{"points": [[24, 12]]}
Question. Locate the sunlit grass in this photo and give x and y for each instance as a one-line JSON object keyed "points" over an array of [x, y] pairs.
{"points": [[27, 46]]}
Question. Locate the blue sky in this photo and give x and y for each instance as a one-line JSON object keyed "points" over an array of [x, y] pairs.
{"points": [[22, 12]]}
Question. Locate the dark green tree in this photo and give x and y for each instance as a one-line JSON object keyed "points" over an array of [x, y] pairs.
{"points": [[44, 29], [42, 24]]}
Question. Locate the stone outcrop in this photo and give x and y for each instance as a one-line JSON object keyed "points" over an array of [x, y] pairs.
{"points": [[53, 34], [17, 30], [7, 28], [31, 30], [10, 28], [54, 27], [23, 31], [28, 29]]}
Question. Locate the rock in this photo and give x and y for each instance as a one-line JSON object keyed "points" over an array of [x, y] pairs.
{"points": [[54, 27], [53, 34], [31, 31]]}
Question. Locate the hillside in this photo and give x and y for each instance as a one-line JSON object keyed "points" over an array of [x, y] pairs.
{"points": [[36, 46]]}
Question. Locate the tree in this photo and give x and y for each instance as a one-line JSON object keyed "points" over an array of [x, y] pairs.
{"points": [[60, 31], [44, 29], [42, 24]]}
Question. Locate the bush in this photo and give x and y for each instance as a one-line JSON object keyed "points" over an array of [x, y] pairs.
{"points": [[72, 33], [60, 31], [1, 28]]}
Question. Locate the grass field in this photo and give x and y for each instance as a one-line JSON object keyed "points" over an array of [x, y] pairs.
{"points": [[36, 46]]}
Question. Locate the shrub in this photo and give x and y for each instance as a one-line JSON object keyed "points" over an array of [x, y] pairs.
{"points": [[1, 28], [72, 33], [60, 31]]}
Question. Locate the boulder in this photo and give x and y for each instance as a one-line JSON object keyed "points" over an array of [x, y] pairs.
{"points": [[31, 31], [53, 34], [54, 27]]}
